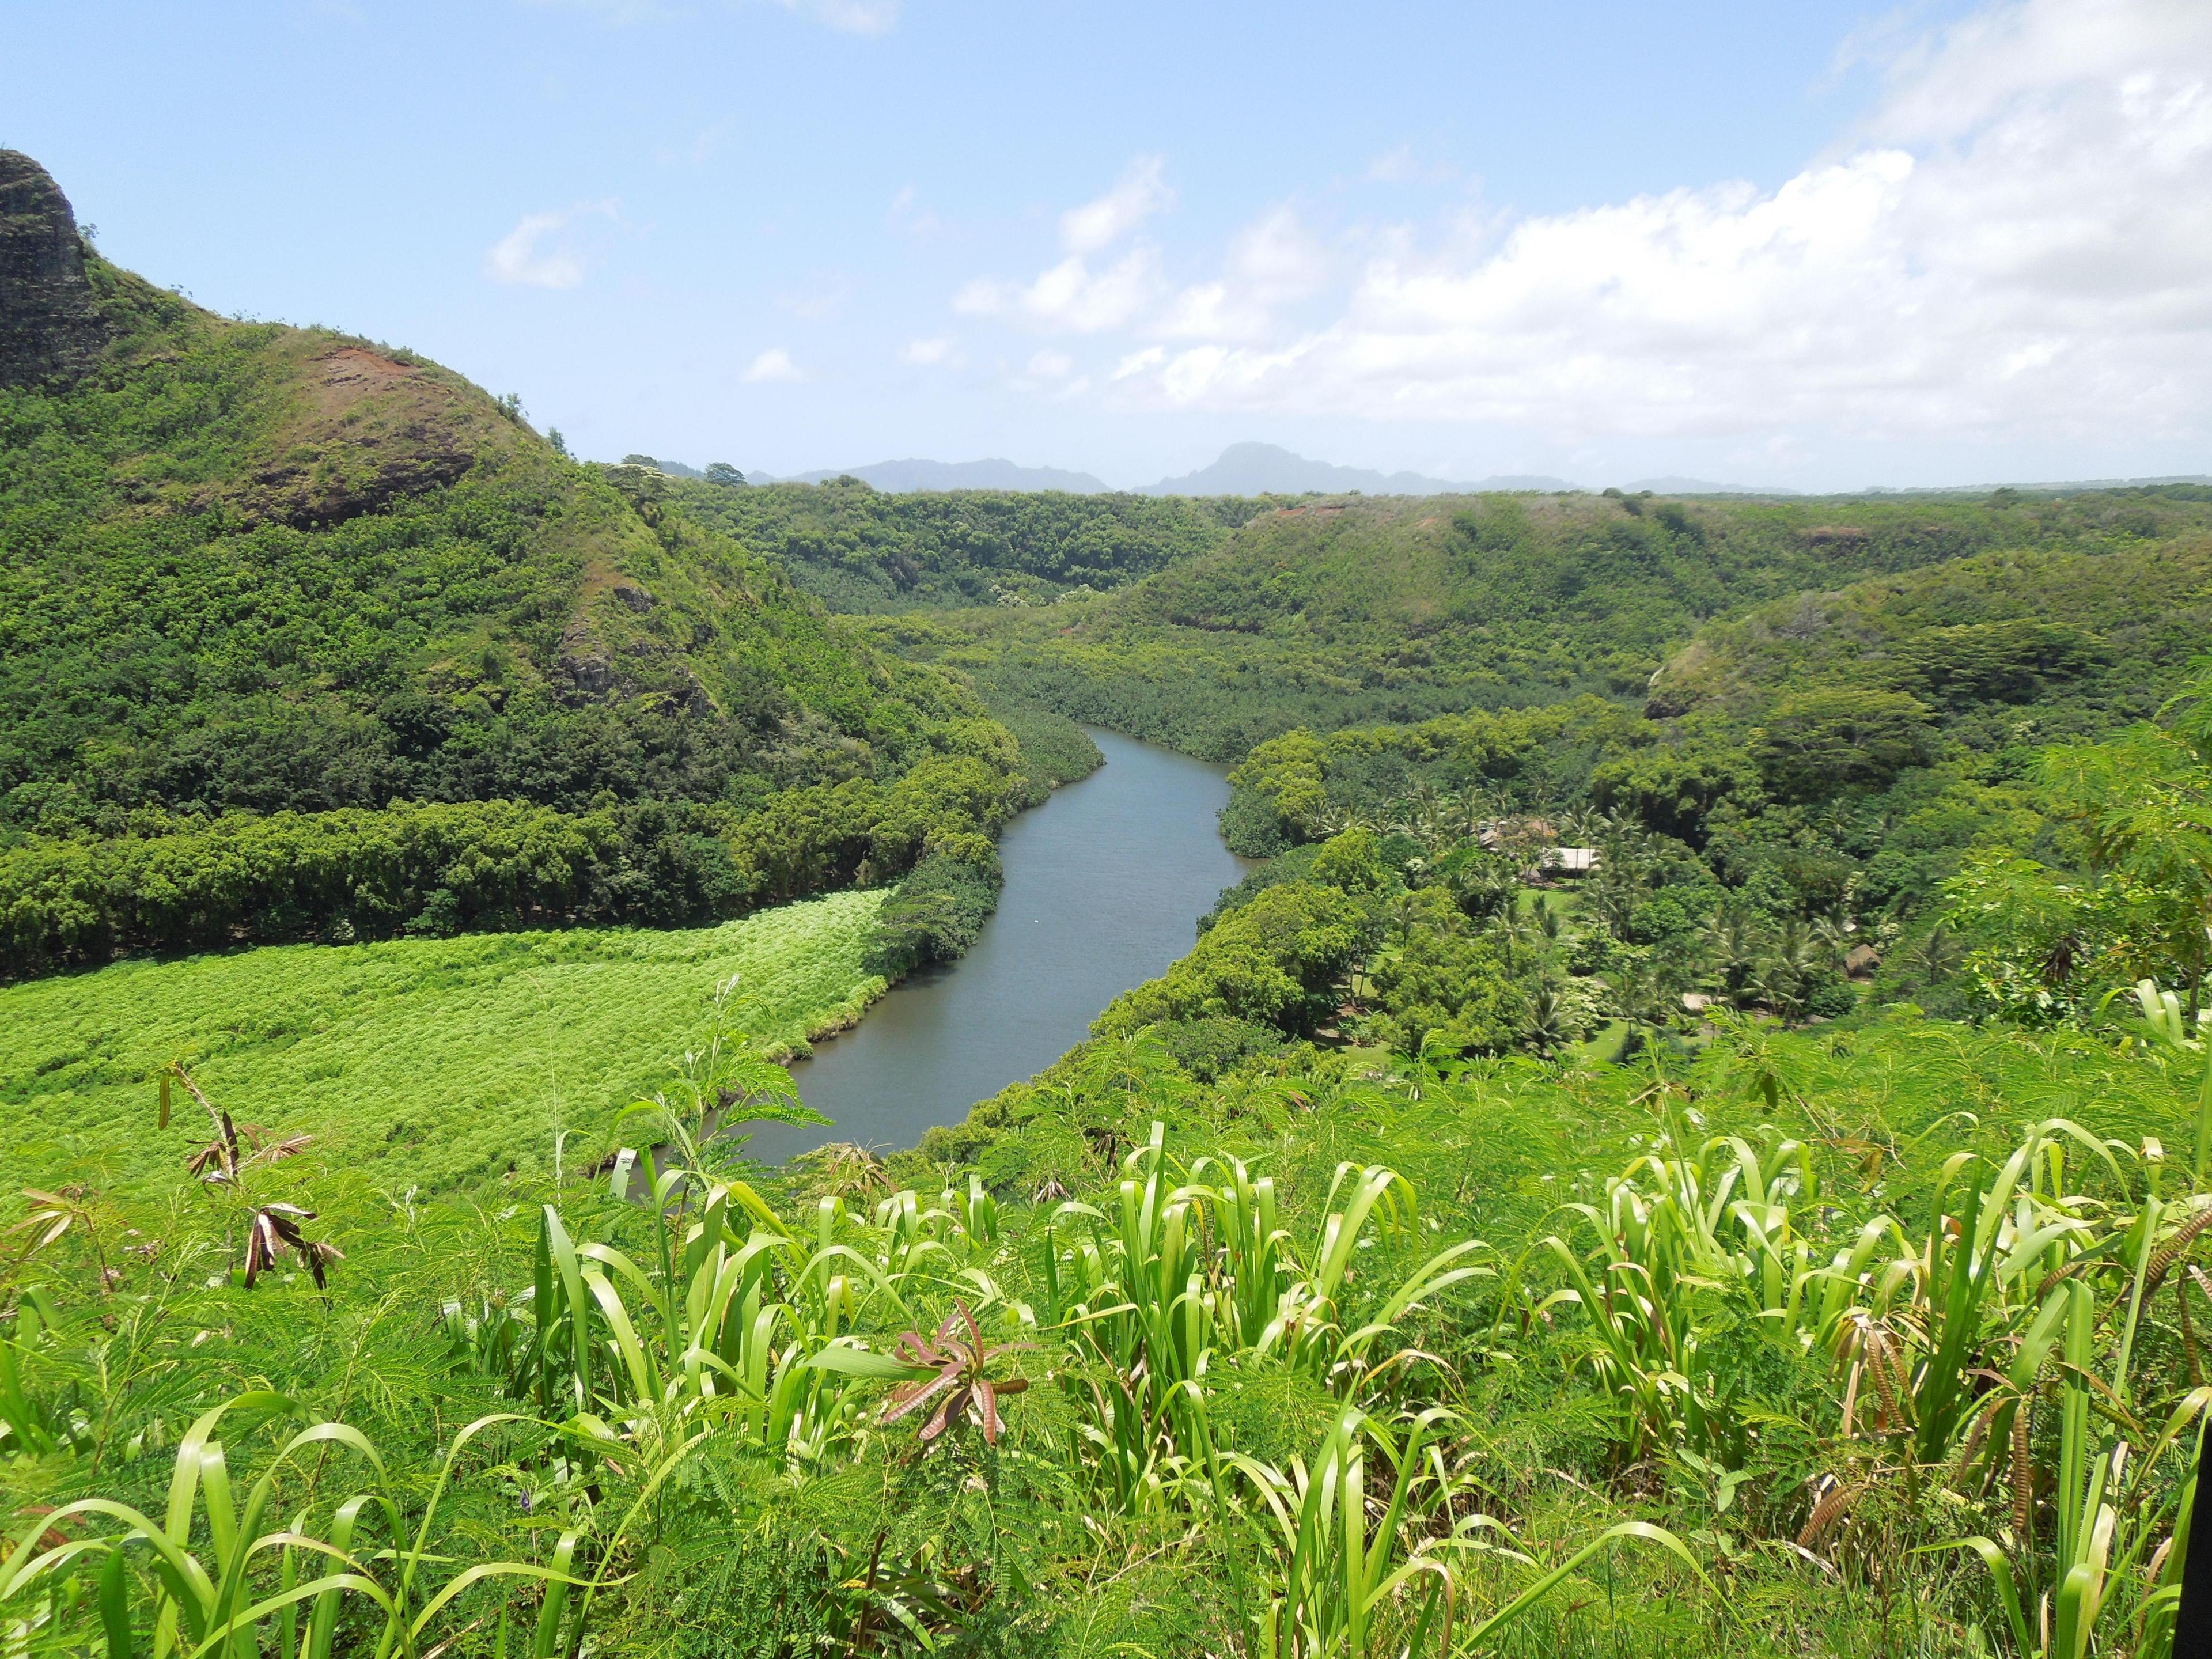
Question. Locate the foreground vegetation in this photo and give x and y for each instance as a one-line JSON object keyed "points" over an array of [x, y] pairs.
{"points": [[1836, 1343]]}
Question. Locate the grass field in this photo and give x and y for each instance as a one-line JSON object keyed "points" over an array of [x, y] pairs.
{"points": [[446, 1060]]}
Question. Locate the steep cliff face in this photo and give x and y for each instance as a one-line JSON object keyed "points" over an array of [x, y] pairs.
{"points": [[50, 332]]}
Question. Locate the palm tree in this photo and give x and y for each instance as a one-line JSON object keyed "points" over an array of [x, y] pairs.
{"points": [[1731, 946], [1783, 976], [1332, 821], [1644, 996], [1468, 811], [1937, 955], [1426, 810], [1485, 887], [1582, 828], [1517, 928], [1613, 898], [1546, 1027]]}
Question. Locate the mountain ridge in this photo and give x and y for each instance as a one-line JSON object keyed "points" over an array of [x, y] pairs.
{"points": [[1260, 469], [1242, 469]]}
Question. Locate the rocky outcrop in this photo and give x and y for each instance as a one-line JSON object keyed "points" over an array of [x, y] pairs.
{"points": [[366, 431], [50, 332]]}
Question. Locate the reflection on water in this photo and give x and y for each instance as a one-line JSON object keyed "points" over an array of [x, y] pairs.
{"points": [[1104, 884]]}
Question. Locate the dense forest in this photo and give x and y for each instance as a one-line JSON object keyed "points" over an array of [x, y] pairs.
{"points": [[1354, 612], [1694, 1135], [302, 638], [858, 549]]}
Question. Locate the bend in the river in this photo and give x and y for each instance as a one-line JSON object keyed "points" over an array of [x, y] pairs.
{"points": [[1105, 882]]}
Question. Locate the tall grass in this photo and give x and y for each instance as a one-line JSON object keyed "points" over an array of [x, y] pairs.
{"points": [[437, 1062], [1869, 1344]]}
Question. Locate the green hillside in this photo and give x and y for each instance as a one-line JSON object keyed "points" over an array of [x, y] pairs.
{"points": [[2029, 643], [256, 566], [858, 548], [1343, 612], [260, 571]]}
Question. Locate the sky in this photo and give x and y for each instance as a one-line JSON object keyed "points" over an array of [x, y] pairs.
{"points": [[1814, 245]]}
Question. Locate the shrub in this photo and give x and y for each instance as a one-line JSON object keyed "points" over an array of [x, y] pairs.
{"points": [[1275, 961], [936, 913]]}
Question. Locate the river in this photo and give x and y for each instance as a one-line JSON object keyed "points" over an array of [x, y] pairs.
{"points": [[1105, 882]]}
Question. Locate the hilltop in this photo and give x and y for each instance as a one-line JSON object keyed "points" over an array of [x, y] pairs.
{"points": [[255, 569]]}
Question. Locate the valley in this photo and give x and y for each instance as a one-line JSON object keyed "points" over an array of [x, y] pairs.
{"points": [[659, 1065]]}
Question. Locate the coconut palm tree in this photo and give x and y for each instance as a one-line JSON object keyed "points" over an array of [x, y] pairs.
{"points": [[1936, 954], [1612, 898], [1547, 1027], [1785, 974], [1731, 948], [1644, 995], [1582, 828], [1485, 887], [1518, 931]]}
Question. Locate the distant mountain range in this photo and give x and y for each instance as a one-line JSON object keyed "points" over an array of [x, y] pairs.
{"points": [[1676, 485], [1256, 469], [1242, 470], [1270, 469]]}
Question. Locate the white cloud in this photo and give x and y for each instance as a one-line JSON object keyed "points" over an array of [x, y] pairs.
{"points": [[1070, 295], [848, 16], [940, 350], [1138, 193], [538, 253], [1050, 365], [1073, 297], [771, 366], [1138, 362], [1274, 262], [2017, 244]]}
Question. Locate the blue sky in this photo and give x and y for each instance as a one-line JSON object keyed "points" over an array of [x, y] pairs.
{"points": [[1815, 245]]}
